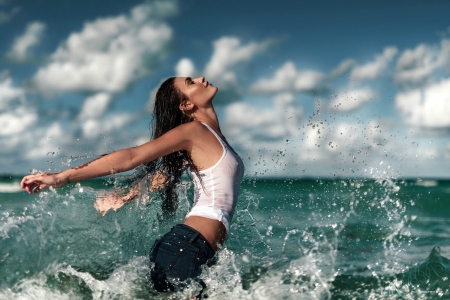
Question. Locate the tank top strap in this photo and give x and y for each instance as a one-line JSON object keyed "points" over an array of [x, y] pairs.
{"points": [[216, 135]]}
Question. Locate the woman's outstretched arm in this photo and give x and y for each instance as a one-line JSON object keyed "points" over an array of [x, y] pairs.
{"points": [[179, 138]]}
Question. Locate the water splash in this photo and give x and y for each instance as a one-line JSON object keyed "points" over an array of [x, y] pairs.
{"points": [[290, 239]]}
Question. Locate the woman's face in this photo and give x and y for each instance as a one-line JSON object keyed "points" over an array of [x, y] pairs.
{"points": [[198, 91]]}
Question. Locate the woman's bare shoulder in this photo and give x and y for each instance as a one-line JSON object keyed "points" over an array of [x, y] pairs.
{"points": [[191, 127]]}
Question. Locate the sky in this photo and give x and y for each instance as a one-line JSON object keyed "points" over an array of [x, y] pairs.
{"points": [[306, 88]]}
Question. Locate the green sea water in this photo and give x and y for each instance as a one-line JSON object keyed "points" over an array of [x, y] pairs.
{"points": [[290, 239]]}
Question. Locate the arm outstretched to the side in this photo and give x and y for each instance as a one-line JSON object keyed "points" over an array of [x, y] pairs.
{"points": [[179, 138]]}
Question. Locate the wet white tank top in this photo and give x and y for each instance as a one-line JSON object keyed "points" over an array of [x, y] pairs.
{"points": [[217, 198]]}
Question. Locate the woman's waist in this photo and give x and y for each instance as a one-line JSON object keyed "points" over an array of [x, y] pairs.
{"points": [[212, 230]]}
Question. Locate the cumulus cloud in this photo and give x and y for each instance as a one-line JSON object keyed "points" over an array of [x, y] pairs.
{"points": [[93, 127], [21, 48], [421, 66], [45, 140], [428, 107], [346, 148], [262, 133], [17, 120], [279, 140], [228, 54], [15, 115], [95, 106], [415, 67], [351, 100], [422, 76], [444, 55], [109, 54], [9, 93], [248, 124], [343, 67], [184, 68], [375, 68], [288, 79]]}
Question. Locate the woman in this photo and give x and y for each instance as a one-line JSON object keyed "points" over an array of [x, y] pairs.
{"points": [[186, 135]]}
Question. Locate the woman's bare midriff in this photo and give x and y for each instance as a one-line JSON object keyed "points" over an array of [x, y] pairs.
{"points": [[212, 230]]}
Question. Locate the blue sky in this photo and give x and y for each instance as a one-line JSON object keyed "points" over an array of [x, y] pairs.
{"points": [[306, 88]]}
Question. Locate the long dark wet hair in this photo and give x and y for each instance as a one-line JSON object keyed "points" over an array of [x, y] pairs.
{"points": [[166, 116]]}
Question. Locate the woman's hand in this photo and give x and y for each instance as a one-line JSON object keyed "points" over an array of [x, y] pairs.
{"points": [[114, 200], [108, 201], [158, 181], [33, 184]]}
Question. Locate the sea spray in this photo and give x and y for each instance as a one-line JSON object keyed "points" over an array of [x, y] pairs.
{"points": [[290, 239]]}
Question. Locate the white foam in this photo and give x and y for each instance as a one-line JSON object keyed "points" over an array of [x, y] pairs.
{"points": [[13, 187], [426, 183], [122, 283], [308, 277], [35, 288], [12, 222]]}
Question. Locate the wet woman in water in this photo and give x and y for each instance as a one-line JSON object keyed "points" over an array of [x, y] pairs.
{"points": [[186, 135]]}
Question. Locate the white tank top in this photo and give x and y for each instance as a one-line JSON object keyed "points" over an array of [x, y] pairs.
{"points": [[217, 198]]}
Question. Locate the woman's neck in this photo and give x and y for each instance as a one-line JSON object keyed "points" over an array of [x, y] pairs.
{"points": [[209, 117]]}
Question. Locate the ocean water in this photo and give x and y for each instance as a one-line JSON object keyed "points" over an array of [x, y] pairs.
{"points": [[378, 238]]}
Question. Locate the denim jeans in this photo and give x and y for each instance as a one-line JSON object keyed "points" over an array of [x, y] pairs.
{"points": [[177, 256]]}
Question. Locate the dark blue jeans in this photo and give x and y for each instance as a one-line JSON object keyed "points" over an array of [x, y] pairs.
{"points": [[177, 256]]}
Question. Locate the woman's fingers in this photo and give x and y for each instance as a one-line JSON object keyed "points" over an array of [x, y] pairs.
{"points": [[33, 184], [101, 207], [25, 181], [27, 185], [32, 187]]}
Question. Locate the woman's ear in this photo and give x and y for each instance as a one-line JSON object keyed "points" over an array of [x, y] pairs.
{"points": [[186, 106]]}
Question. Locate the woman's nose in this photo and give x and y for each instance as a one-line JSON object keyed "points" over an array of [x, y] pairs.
{"points": [[199, 79]]}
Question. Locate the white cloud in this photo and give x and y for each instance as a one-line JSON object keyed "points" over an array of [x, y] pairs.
{"points": [[375, 68], [343, 67], [248, 123], [345, 147], [444, 55], [15, 114], [110, 53], [17, 120], [263, 133], [228, 54], [241, 116], [9, 93], [279, 140], [288, 79], [422, 65], [20, 50], [93, 127], [95, 106], [184, 68], [415, 67], [428, 107], [351, 100], [44, 139]]}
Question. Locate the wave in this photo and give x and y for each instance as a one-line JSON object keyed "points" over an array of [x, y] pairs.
{"points": [[12, 187], [426, 183]]}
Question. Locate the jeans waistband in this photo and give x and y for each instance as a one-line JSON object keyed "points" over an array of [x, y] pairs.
{"points": [[191, 234]]}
